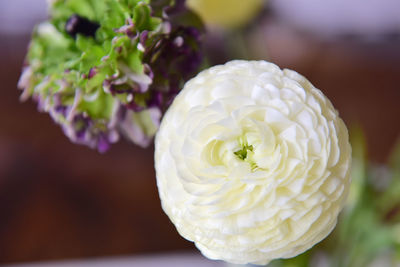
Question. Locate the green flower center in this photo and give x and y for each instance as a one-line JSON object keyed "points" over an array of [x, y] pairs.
{"points": [[246, 153], [242, 153]]}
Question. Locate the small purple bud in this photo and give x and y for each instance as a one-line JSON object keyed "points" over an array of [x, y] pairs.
{"points": [[103, 144], [143, 37], [178, 41], [92, 72]]}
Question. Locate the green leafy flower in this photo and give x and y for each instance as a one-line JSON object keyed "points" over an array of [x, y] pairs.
{"points": [[102, 68]]}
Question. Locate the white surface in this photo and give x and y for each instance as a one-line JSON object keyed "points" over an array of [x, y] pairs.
{"points": [[332, 17], [328, 17], [151, 260]]}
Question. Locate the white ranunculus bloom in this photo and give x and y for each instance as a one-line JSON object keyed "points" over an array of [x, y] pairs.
{"points": [[252, 163]]}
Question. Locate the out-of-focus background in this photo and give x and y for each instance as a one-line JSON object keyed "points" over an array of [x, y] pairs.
{"points": [[62, 201]]}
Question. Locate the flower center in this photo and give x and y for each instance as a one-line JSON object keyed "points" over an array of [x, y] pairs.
{"points": [[242, 153], [246, 152]]}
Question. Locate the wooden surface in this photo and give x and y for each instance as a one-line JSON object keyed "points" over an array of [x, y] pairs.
{"points": [[59, 200]]}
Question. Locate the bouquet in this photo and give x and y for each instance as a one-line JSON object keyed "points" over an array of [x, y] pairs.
{"points": [[253, 162]]}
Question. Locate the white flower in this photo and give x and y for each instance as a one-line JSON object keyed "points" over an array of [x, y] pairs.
{"points": [[252, 163]]}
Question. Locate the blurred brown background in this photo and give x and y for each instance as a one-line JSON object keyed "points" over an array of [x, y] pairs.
{"points": [[59, 200]]}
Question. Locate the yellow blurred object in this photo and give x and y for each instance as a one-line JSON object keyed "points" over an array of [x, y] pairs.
{"points": [[226, 13]]}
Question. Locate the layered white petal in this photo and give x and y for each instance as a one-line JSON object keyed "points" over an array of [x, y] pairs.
{"points": [[252, 163]]}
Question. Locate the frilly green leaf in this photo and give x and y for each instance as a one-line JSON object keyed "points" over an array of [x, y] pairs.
{"points": [[95, 81]]}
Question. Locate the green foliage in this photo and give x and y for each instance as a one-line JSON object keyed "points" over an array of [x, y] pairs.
{"points": [[97, 66], [52, 51]]}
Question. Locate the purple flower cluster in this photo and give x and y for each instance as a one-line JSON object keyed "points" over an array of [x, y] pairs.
{"points": [[112, 81]]}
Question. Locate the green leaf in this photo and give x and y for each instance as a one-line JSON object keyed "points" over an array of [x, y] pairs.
{"points": [[99, 8], [142, 18], [134, 61], [95, 82], [359, 166], [81, 7], [101, 108], [92, 53], [144, 121], [115, 15], [84, 43]]}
